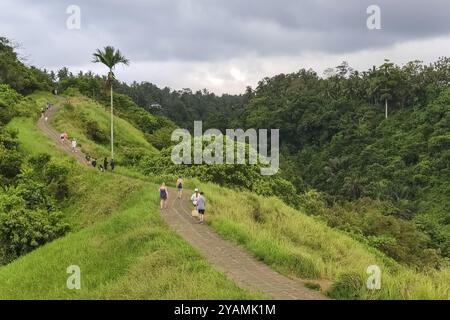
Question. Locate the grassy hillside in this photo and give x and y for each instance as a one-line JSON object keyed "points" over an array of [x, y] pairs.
{"points": [[117, 238], [131, 255], [85, 119], [299, 245], [126, 251]]}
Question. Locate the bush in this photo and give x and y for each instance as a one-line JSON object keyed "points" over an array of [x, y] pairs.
{"points": [[22, 230], [55, 176], [94, 132], [349, 286]]}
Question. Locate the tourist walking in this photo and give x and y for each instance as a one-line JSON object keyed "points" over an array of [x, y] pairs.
{"points": [[201, 207], [180, 187], [163, 195]]}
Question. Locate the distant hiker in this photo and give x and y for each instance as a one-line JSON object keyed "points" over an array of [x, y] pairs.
{"points": [[74, 145], [201, 207], [180, 187], [163, 195], [61, 137], [94, 162], [105, 164], [100, 168], [113, 164], [42, 112], [66, 136], [88, 158], [194, 198]]}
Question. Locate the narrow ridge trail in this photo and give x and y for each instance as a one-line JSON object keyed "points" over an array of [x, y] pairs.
{"points": [[238, 264]]}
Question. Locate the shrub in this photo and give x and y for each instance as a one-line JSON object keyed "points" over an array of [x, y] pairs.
{"points": [[55, 176], [10, 163], [94, 132], [22, 230], [348, 286]]}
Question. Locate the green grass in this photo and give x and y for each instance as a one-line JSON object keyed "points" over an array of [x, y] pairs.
{"points": [[32, 140], [132, 255], [126, 251], [118, 239], [298, 245], [72, 120]]}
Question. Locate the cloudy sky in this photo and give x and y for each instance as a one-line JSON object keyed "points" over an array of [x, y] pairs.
{"points": [[225, 45]]}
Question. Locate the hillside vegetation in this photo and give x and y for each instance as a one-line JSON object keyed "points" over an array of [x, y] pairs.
{"points": [[107, 224], [355, 189]]}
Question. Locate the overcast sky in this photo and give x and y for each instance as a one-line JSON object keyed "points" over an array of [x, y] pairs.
{"points": [[225, 45]]}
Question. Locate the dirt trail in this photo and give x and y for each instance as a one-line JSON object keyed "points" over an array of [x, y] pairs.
{"points": [[239, 265], [54, 135]]}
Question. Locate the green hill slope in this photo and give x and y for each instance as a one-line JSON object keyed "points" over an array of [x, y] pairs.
{"points": [[117, 237], [126, 251]]}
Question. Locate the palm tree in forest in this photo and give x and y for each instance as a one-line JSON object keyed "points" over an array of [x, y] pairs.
{"points": [[110, 57]]}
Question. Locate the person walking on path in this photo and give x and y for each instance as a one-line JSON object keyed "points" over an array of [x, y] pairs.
{"points": [[163, 196], [201, 207], [74, 145], [180, 187], [194, 199], [94, 162], [113, 164], [105, 164]]}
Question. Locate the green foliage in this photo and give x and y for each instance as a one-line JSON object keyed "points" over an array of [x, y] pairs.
{"points": [[240, 176], [8, 99], [20, 77], [348, 286], [377, 224], [29, 215], [94, 132], [161, 138], [22, 230], [295, 244]]}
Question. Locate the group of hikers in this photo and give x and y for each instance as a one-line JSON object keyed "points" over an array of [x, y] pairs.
{"points": [[64, 137], [45, 109], [197, 198], [101, 167]]}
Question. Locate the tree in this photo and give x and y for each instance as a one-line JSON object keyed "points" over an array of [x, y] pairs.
{"points": [[110, 57], [386, 83]]}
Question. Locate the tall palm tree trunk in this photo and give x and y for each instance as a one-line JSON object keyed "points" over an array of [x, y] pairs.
{"points": [[386, 109], [112, 123]]}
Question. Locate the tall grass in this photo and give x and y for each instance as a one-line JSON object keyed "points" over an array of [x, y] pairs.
{"points": [[118, 239], [299, 245], [126, 251], [132, 255]]}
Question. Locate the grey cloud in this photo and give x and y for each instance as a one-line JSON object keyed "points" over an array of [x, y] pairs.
{"points": [[214, 30]]}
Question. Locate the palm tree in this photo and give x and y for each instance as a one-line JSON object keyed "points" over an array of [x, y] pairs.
{"points": [[110, 57]]}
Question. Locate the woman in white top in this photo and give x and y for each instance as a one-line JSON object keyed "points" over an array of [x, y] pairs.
{"points": [[194, 198], [74, 145]]}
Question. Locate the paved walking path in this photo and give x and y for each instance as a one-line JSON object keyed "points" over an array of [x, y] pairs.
{"points": [[232, 260]]}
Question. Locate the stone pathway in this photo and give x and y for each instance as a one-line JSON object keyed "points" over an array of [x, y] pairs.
{"points": [[239, 265]]}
